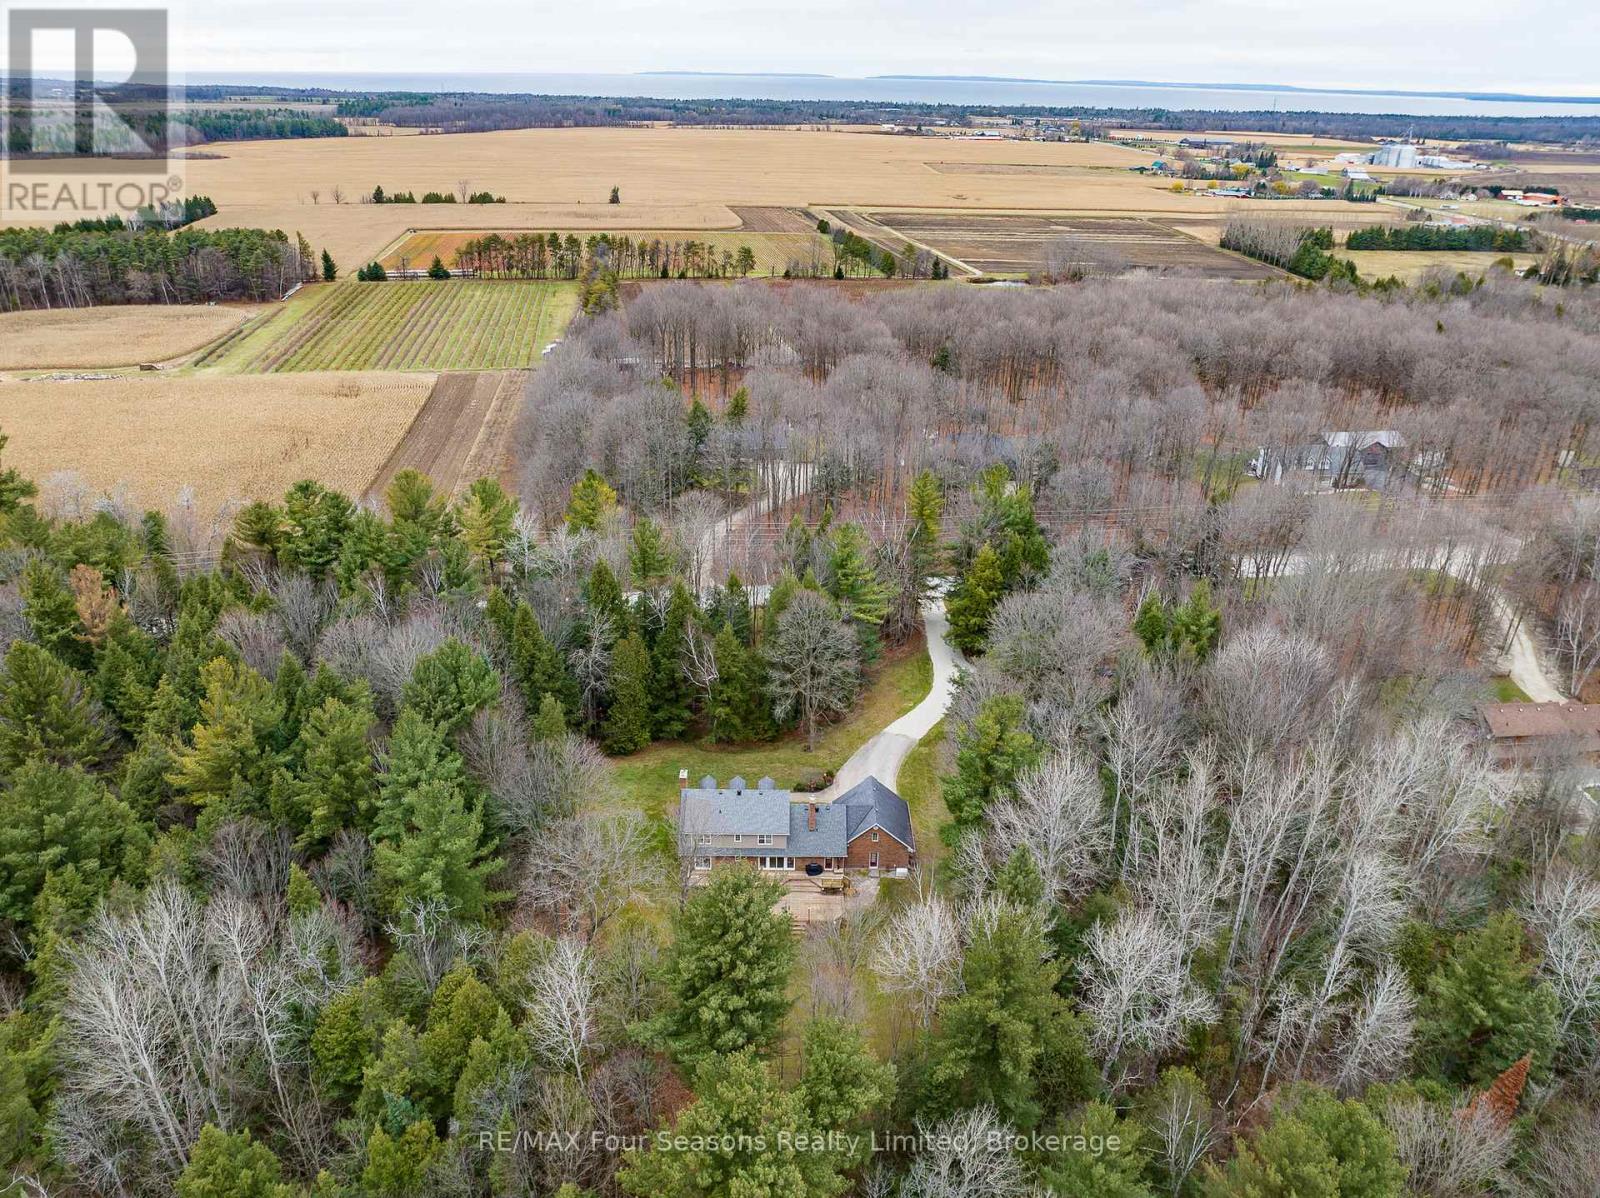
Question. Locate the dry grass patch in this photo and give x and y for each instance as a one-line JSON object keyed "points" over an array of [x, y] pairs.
{"points": [[1410, 265], [245, 437], [70, 338]]}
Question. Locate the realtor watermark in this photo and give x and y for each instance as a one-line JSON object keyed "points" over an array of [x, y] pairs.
{"points": [[87, 115], [824, 1142]]}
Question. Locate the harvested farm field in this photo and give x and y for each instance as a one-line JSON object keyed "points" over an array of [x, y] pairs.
{"points": [[1016, 243], [421, 324], [125, 335], [775, 252], [247, 437], [461, 432]]}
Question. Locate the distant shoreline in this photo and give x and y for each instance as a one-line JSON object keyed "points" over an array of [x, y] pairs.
{"points": [[1485, 97]]}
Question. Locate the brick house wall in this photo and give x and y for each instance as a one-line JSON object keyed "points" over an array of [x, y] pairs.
{"points": [[891, 853]]}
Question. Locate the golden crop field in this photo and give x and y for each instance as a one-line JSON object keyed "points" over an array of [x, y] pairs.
{"points": [[229, 437], [774, 251], [670, 178], [90, 338]]}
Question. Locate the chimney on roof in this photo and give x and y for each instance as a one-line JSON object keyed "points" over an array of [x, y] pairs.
{"points": [[811, 817]]}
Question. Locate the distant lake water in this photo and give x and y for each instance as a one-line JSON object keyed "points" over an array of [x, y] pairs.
{"points": [[946, 91]]}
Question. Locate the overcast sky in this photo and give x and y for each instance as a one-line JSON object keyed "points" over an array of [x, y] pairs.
{"points": [[1532, 46]]}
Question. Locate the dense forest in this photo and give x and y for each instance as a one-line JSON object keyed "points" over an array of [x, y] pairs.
{"points": [[325, 872], [74, 267]]}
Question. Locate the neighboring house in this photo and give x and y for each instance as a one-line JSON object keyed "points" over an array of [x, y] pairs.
{"points": [[1342, 458], [866, 828], [1522, 733]]}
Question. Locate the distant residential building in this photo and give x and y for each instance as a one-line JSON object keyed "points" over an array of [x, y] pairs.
{"points": [[866, 828], [1342, 458], [1521, 733]]}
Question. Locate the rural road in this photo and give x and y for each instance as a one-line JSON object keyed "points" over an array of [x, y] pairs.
{"points": [[793, 482], [882, 756], [1520, 656]]}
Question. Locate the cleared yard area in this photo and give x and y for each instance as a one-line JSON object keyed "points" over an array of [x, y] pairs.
{"points": [[248, 437], [125, 335], [457, 324], [775, 251], [1410, 265], [1015, 244]]}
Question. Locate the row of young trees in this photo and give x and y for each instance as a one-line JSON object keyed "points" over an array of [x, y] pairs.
{"points": [[1420, 236], [552, 256]]}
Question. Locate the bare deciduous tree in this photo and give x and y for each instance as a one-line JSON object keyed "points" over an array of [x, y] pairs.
{"points": [[562, 1005], [919, 955], [967, 1155], [814, 663], [582, 870]]}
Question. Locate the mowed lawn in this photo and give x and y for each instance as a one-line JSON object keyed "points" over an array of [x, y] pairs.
{"points": [[455, 324], [648, 780]]}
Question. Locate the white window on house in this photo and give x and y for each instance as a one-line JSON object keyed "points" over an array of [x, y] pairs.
{"points": [[702, 862], [702, 840], [874, 836], [763, 838], [738, 838]]}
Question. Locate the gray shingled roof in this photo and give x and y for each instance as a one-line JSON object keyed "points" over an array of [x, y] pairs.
{"points": [[868, 803], [736, 809], [829, 838], [733, 810]]}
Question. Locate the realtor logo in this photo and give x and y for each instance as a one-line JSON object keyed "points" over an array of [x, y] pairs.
{"points": [[84, 115]]}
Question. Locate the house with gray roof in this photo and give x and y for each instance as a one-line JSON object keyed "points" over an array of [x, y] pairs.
{"points": [[866, 828]]}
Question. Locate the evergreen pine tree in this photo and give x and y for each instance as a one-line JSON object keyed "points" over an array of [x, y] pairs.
{"points": [[738, 706], [1153, 625], [727, 968], [672, 695], [628, 722], [592, 503], [990, 755], [335, 786], [973, 600], [47, 712], [648, 555]]}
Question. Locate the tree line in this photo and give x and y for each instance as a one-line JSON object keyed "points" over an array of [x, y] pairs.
{"points": [[554, 256], [73, 268], [1420, 236]]}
